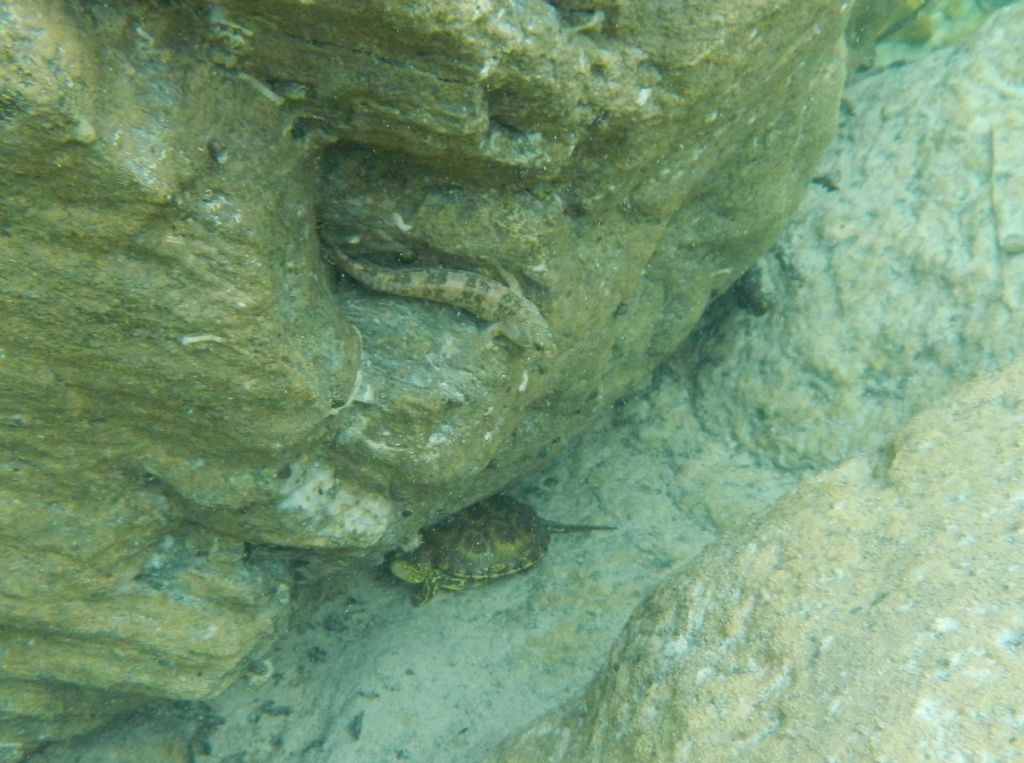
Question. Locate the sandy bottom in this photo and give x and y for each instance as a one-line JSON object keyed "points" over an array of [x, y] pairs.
{"points": [[370, 677]]}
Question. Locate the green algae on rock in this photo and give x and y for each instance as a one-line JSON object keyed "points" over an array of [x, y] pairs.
{"points": [[177, 361]]}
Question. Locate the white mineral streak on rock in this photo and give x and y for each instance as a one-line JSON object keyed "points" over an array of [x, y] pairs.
{"points": [[334, 512]]}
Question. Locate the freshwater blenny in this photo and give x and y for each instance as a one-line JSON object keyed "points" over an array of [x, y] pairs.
{"points": [[511, 314]]}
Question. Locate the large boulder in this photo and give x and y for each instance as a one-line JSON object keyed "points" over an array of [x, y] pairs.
{"points": [[180, 374], [902, 275], [874, 614]]}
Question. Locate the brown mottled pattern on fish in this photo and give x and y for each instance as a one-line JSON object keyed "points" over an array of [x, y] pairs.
{"points": [[511, 313]]}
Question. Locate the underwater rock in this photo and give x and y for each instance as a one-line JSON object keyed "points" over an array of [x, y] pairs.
{"points": [[623, 166], [875, 610], [139, 335], [894, 283], [175, 353]]}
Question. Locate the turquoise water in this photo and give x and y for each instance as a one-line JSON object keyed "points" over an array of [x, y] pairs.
{"points": [[900, 277]]}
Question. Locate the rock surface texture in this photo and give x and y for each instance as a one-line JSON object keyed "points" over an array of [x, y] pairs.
{"points": [[182, 375], [903, 274], [874, 615]]}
